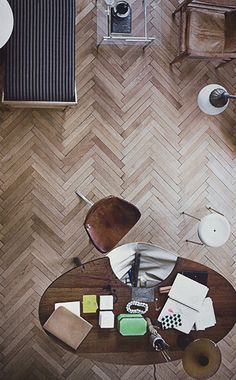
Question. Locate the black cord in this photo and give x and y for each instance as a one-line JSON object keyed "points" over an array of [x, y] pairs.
{"points": [[154, 371], [109, 289]]}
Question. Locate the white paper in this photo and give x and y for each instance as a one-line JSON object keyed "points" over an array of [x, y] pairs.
{"points": [[73, 306], [106, 302], [188, 292], [188, 315], [106, 319], [206, 317]]}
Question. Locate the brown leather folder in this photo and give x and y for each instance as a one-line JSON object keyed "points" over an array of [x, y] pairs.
{"points": [[68, 327]]}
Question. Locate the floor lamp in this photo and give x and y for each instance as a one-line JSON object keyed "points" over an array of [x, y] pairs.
{"points": [[201, 358], [213, 99]]}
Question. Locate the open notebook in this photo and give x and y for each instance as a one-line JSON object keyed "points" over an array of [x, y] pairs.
{"points": [[186, 298]]}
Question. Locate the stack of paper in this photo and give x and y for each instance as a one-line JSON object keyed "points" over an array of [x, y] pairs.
{"points": [[106, 319], [187, 298], [206, 316], [90, 303], [73, 306], [106, 302]]}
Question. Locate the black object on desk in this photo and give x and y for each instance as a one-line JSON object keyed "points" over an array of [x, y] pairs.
{"points": [[198, 276], [135, 269]]}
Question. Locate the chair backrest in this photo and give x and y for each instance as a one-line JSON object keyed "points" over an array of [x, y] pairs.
{"points": [[230, 32], [109, 220]]}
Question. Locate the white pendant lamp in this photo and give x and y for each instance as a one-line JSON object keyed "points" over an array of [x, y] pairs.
{"points": [[213, 99]]}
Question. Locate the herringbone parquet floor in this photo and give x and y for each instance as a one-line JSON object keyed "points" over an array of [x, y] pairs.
{"points": [[137, 132]]}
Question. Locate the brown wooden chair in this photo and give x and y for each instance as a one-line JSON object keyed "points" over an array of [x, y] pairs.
{"points": [[206, 31], [109, 220]]}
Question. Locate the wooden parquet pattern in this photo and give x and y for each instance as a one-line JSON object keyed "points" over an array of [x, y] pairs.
{"points": [[137, 132]]}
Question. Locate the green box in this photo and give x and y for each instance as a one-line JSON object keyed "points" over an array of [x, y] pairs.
{"points": [[131, 324]]}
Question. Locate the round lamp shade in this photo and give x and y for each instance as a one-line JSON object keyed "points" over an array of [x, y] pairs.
{"points": [[201, 359], [204, 103], [6, 22]]}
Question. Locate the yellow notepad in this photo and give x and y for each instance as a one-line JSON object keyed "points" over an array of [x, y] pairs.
{"points": [[90, 304]]}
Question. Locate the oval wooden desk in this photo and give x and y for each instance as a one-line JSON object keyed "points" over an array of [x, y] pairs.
{"points": [[97, 277]]}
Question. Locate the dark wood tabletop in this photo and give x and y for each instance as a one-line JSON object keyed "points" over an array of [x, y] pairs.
{"points": [[97, 277]]}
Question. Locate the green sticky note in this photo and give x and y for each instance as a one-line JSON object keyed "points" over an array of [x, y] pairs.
{"points": [[90, 304]]}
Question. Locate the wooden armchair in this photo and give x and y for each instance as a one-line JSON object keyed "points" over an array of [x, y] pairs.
{"points": [[206, 31]]}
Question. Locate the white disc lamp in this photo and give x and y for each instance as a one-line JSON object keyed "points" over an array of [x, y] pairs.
{"points": [[213, 99]]}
